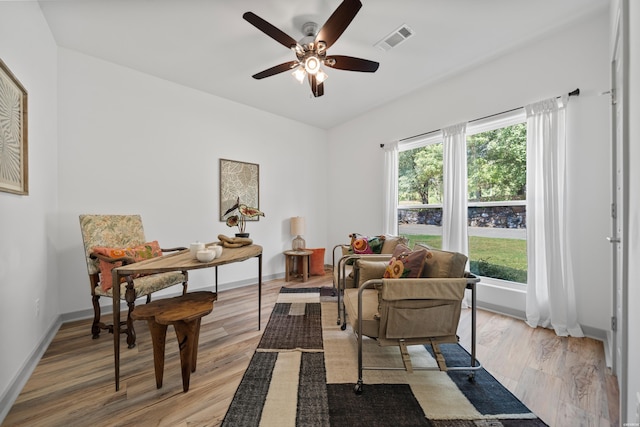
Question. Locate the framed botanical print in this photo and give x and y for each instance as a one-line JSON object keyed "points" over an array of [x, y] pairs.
{"points": [[239, 180], [14, 165]]}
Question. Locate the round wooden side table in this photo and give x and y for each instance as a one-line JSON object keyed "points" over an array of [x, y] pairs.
{"points": [[303, 257]]}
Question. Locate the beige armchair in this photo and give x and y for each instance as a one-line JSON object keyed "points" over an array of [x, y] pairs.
{"points": [[410, 311], [112, 240], [346, 262], [344, 257]]}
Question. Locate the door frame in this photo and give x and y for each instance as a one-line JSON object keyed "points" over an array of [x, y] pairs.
{"points": [[620, 200]]}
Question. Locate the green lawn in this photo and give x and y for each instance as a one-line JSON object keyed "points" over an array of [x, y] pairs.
{"points": [[492, 257]]}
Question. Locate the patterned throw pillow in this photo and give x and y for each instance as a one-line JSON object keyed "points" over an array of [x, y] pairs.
{"points": [[405, 263], [366, 245], [139, 253]]}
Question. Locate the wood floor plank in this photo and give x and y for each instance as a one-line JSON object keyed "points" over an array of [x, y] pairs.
{"points": [[562, 380]]}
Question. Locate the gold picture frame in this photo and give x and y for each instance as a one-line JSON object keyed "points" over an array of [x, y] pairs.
{"points": [[14, 165], [239, 179]]}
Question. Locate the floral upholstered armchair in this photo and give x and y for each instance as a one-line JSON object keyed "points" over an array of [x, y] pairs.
{"points": [[114, 240]]}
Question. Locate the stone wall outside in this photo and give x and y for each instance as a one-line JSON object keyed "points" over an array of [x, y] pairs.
{"points": [[487, 216]]}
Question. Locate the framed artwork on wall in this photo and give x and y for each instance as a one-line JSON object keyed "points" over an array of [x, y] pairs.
{"points": [[239, 180], [14, 165]]}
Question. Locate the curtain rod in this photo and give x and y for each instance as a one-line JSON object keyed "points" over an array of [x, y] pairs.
{"points": [[575, 92]]}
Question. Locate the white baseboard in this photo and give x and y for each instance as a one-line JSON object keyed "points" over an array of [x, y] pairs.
{"points": [[22, 376]]}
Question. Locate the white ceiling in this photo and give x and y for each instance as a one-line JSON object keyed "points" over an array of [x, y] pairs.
{"points": [[206, 45]]}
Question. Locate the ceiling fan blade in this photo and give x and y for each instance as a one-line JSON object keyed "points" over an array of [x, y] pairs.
{"points": [[338, 22], [273, 32], [316, 88], [280, 68], [350, 63]]}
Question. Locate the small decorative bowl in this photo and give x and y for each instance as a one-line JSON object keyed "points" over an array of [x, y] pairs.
{"points": [[218, 249], [206, 255]]}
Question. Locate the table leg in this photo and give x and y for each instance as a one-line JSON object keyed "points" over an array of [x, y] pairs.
{"points": [[116, 326], [196, 339], [259, 288], [158, 338], [305, 267], [287, 267], [185, 332]]}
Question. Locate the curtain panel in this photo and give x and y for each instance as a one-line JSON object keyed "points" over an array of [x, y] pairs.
{"points": [[390, 188], [550, 289], [454, 209]]}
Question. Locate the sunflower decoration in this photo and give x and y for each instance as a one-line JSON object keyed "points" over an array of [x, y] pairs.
{"points": [[240, 219]]}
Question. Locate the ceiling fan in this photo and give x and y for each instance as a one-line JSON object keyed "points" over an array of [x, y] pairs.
{"points": [[311, 50]]}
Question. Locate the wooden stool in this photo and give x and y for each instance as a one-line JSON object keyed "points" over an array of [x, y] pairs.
{"points": [[184, 313]]}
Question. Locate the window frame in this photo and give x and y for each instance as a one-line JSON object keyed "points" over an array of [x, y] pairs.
{"points": [[496, 121]]}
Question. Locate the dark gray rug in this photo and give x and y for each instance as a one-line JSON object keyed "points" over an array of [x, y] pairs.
{"points": [[302, 375]]}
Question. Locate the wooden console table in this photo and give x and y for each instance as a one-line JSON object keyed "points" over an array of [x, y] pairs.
{"points": [[178, 261]]}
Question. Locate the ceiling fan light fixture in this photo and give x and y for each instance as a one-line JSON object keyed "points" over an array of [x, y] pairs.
{"points": [[298, 50], [311, 50], [321, 48], [321, 76], [299, 73], [312, 64]]}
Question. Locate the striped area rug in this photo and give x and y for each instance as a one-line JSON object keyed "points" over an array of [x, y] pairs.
{"points": [[305, 368]]}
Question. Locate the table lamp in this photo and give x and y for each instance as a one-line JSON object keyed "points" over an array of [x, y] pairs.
{"points": [[297, 229]]}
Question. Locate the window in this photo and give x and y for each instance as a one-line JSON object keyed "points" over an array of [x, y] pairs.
{"points": [[420, 187], [497, 183], [496, 188]]}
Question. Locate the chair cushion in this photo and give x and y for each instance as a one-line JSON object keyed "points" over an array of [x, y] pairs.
{"points": [[405, 263], [444, 264], [390, 243], [370, 317], [138, 253], [368, 270], [145, 285]]}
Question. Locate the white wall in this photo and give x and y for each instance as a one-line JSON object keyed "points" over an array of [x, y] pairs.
{"points": [[28, 228], [132, 143], [575, 57]]}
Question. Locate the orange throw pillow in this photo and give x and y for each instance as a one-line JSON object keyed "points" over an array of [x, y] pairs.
{"points": [[139, 253], [316, 262]]}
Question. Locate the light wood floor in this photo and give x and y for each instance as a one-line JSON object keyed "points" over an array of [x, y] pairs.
{"points": [[562, 380]]}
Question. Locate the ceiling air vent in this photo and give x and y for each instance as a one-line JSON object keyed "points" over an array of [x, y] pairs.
{"points": [[396, 37]]}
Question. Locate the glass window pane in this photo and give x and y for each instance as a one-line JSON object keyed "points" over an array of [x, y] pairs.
{"points": [[497, 164], [496, 167], [420, 187], [420, 176], [421, 225]]}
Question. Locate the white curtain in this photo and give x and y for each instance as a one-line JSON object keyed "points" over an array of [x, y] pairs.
{"points": [[454, 209], [550, 290], [390, 190]]}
